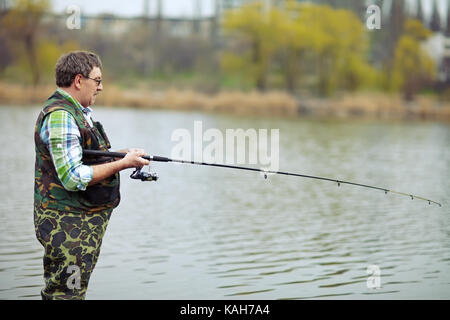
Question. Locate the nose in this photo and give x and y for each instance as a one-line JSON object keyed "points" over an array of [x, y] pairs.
{"points": [[100, 87]]}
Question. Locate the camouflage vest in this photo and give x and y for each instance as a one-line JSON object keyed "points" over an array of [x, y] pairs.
{"points": [[49, 193]]}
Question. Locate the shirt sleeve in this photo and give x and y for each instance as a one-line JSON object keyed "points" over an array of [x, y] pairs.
{"points": [[61, 135]]}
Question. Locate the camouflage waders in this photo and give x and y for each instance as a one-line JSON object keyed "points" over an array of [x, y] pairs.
{"points": [[72, 242], [70, 224]]}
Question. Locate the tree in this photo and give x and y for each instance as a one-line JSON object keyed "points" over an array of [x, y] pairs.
{"points": [[327, 45], [23, 24], [255, 34], [337, 44], [446, 62], [419, 15], [435, 24], [357, 6], [413, 68], [6, 56], [293, 45], [396, 23], [447, 30]]}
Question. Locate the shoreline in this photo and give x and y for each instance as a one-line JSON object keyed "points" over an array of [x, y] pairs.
{"points": [[359, 105]]}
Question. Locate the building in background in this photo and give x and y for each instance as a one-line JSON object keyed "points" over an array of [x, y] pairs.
{"points": [[438, 45]]}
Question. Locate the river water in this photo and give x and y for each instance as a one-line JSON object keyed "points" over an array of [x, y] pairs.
{"points": [[213, 233]]}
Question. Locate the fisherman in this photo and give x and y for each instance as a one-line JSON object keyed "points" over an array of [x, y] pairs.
{"points": [[74, 195]]}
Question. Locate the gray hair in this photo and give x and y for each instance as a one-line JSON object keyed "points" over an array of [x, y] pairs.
{"points": [[73, 63]]}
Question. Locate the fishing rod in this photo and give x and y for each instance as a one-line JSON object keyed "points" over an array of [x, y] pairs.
{"points": [[148, 176]]}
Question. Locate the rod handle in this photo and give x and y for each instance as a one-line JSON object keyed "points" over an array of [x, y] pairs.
{"points": [[121, 155], [160, 159]]}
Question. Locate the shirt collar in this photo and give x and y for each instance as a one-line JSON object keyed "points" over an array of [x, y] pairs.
{"points": [[64, 93], [87, 111]]}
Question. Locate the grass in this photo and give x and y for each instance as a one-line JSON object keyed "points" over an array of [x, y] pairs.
{"points": [[346, 105]]}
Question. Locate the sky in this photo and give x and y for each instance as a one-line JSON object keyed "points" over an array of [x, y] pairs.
{"points": [[177, 8]]}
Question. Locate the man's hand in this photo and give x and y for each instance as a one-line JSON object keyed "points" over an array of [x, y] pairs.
{"points": [[133, 159]]}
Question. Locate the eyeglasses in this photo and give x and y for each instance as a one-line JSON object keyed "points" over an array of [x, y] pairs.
{"points": [[99, 81]]}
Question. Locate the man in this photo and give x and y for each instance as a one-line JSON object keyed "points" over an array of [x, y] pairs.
{"points": [[74, 195]]}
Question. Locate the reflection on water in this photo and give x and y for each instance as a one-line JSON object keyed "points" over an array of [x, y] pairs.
{"points": [[211, 233]]}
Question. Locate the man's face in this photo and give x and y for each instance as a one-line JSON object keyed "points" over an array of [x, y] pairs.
{"points": [[89, 88]]}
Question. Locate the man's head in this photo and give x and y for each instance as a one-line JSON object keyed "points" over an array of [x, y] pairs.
{"points": [[80, 73]]}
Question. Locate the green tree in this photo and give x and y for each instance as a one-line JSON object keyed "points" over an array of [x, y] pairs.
{"points": [[22, 25], [338, 45], [293, 45], [327, 45], [254, 33], [357, 6], [48, 52], [413, 68]]}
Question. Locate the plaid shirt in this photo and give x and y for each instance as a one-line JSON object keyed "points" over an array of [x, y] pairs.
{"points": [[63, 139]]}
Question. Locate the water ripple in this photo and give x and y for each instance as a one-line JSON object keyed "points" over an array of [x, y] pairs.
{"points": [[213, 234]]}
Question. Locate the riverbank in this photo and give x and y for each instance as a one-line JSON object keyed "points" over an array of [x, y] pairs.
{"points": [[359, 105]]}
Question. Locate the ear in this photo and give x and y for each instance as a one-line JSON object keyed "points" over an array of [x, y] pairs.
{"points": [[77, 81]]}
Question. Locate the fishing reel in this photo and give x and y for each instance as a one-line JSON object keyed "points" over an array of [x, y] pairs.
{"points": [[144, 176]]}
